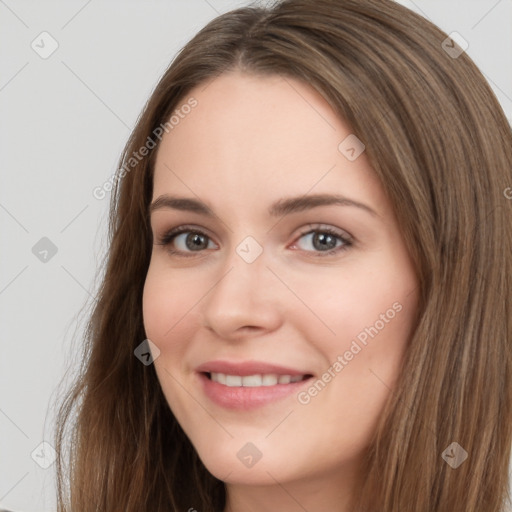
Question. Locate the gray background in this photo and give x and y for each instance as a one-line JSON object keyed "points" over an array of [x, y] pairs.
{"points": [[65, 120]]}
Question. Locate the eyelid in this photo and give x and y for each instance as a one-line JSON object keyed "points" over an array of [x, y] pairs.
{"points": [[326, 227], [172, 233]]}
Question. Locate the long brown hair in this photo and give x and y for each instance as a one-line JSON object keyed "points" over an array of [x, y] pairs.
{"points": [[442, 148]]}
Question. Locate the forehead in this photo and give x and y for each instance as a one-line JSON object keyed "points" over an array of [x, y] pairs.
{"points": [[258, 134]]}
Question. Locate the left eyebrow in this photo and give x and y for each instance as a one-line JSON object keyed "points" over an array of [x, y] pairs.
{"points": [[297, 204], [280, 208]]}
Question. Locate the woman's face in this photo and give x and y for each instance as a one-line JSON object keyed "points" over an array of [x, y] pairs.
{"points": [[283, 308]]}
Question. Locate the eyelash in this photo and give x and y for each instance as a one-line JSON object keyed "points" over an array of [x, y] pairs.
{"points": [[170, 235]]}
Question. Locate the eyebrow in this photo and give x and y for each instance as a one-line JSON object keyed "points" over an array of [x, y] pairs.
{"points": [[280, 208]]}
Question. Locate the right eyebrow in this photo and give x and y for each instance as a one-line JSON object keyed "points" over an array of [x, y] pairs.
{"points": [[180, 203]]}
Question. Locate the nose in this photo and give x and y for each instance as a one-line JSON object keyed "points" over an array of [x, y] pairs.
{"points": [[245, 299]]}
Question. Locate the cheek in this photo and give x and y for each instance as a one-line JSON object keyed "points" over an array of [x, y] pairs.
{"points": [[169, 319], [367, 318], [363, 301], [167, 310]]}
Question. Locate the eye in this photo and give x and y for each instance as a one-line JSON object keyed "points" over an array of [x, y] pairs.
{"points": [[184, 239], [324, 241]]}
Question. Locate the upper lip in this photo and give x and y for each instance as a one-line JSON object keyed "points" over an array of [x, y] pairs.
{"points": [[244, 368]]}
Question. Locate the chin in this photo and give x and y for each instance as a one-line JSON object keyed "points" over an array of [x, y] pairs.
{"points": [[243, 462]]}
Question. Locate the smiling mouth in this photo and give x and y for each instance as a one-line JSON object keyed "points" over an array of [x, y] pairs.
{"points": [[256, 380]]}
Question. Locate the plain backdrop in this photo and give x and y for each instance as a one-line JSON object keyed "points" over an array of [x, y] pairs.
{"points": [[64, 120]]}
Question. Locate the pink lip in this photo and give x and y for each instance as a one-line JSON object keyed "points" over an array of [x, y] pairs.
{"points": [[246, 398], [245, 368]]}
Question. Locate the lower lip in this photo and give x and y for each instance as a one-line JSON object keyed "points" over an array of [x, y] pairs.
{"points": [[246, 398]]}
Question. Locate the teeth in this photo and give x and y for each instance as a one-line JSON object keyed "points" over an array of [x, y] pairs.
{"points": [[269, 379], [233, 380], [251, 381]]}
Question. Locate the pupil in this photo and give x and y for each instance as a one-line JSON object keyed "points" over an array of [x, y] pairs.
{"points": [[325, 241], [196, 241]]}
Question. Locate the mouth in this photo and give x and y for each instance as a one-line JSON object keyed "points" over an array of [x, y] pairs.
{"points": [[249, 385]]}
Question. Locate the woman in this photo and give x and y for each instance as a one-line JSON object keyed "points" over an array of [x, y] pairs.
{"points": [[306, 304]]}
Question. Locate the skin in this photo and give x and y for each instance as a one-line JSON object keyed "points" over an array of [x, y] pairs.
{"points": [[250, 141]]}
